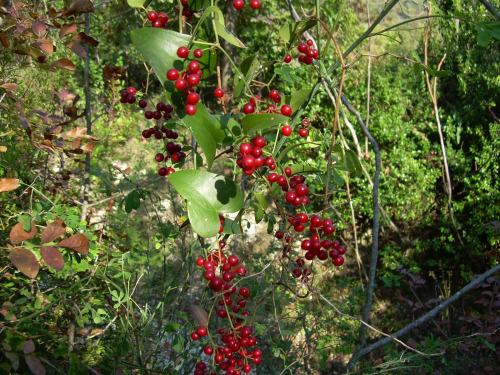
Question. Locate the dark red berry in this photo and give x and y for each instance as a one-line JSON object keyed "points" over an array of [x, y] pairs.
{"points": [[286, 110], [152, 16], [218, 92], [182, 52], [286, 130], [198, 53], [238, 4], [287, 59]]}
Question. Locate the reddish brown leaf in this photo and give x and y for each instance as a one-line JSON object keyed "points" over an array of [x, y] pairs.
{"points": [[9, 86], [18, 235], [35, 365], [77, 48], [87, 148], [45, 45], [64, 64], [79, 7], [9, 184], [4, 40], [25, 261], [77, 242], [53, 230], [39, 28], [65, 96], [53, 257], [29, 347], [69, 28], [84, 38]]}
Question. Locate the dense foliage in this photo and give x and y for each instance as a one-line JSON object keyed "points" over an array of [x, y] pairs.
{"points": [[112, 222]]}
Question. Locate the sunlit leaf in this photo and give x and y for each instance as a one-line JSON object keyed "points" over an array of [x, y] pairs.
{"points": [[18, 234], [25, 261], [9, 184], [255, 122], [53, 231], [77, 242], [52, 256]]}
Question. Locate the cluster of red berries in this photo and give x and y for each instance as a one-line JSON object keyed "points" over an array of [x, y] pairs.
{"points": [[275, 97], [158, 19], [128, 95], [307, 53], [240, 4], [187, 80], [303, 132], [250, 157], [235, 349], [295, 190]]}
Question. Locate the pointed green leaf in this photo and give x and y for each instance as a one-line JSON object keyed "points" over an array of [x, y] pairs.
{"points": [[285, 32], [248, 67], [299, 97], [136, 3], [252, 123]]}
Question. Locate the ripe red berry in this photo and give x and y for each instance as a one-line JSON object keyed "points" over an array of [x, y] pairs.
{"points": [[194, 66], [194, 336], [233, 260], [143, 103], [181, 84], [288, 171], [172, 74], [162, 171], [218, 92], [246, 148], [286, 130], [244, 292], [338, 261], [159, 157], [202, 331], [272, 177], [238, 4], [157, 24], [193, 80], [182, 52], [259, 141], [208, 350], [303, 132], [198, 53], [286, 110], [255, 4], [248, 108], [152, 16], [163, 18], [287, 59], [192, 98], [200, 261], [190, 109]]}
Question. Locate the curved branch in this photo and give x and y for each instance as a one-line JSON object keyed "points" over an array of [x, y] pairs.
{"points": [[424, 318]]}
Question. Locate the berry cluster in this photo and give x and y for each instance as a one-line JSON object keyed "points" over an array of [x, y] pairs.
{"points": [[128, 95], [250, 157], [187, 80], [240, 4], [158, 19], [235, 349], [295, 191], [275, 98], [307, 52], [303, 131]]}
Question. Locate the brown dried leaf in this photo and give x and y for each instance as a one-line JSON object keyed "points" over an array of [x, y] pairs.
{"points": [[18, 235], [75, 144], [87, 39], [69, 28], [3, 149], [45, 45], [55, 229], [87, 148], [77, 132], [64, 64], [25, 261], [77, 242], [39, 28], [9, 86], [53, 257], [8, 184], [198, 314], [65, 96], [79, 7], [35, 365], [4, 40], [77, 48], [29, 347]]}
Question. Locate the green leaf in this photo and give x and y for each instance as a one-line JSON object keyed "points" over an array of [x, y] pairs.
{"points": [[299, 97], [487, 31], [207, 130], [248, 67], [159, 49], [178, 344], [294, 146], [302, 26], [303, 168], [207, 195], [287, 73], [252, 123], [26, 221], [232, 226], [221, 30], [347, 161], [132, 201], [285, 32], [136, 3]]}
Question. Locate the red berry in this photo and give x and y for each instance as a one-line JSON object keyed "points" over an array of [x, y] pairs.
{"points": [[163, 171], [193, 79], [259, 141], [287, 59], [202, 331], [159, 157], [172, 74], [200, 261], [198, 53], [246, 148], [163, 18], [190, 109], [248, 108], [194, 66], [182, 52], [244, 292], [194, 336], [152, 16], [286, 110], [272, 177], [218, 92], [181, 84], [255, 4], [233, 260], [208, 350], [286, 130], [238, 4], [303, 132], [157, 24], [302, 47], [192, 98], [288, 171], [338, 261]]}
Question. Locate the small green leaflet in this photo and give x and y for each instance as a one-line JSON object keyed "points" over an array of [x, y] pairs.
{"points": [[252, 123], [132, 201], [220, 26], [136, 3]]}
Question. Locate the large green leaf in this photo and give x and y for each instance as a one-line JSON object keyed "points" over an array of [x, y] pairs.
{"points": [[207, 131], [159, 49], [207, 195], [248, 68], [252, 123], [299, 97]]}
